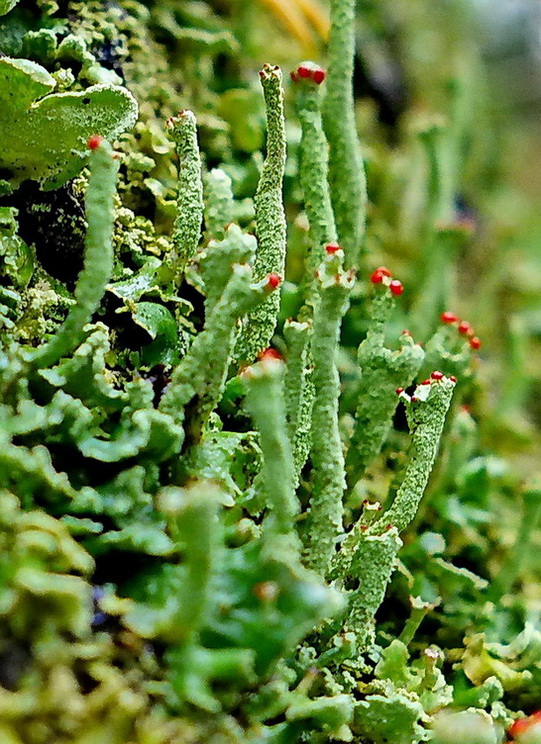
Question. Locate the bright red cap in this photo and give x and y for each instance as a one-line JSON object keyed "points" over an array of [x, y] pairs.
{"points": [[384, 271], [396, 287], [399, 390], [521, 725], [376, 277], [94, 141], [475, 343], [448, 317], [304, 71], [331, 248], [270, 354], [426, 382], [273, 280], [436, 375], [464, 327], [319, 75], [452, 378]]}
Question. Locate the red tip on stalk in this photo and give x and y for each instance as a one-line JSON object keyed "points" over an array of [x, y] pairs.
{"points": [[376, 277], [266, 591], [396, 287], [436, 375], [304, 71], [405, 332], [94, 141], [465, 327], [426, 382], [475, 343], [270, 354], [399, 390], [331, 248], [293, 75], [452, 378], [448, 317], [522, 725], [414, 399], [273, 281], [384, 271], [318, 76]]}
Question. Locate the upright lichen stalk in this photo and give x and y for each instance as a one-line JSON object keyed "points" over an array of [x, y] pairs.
{"points": [[270, 218], [328, 483], [98, 260], [346, 168], [187, 227]]}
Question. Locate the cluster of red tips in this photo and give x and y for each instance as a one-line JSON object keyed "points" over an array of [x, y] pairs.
{"points": [[377, 276], [435, 376], [332, 248], [309, 71], [448, 317], [463, 327], [273, 281], [382, 275], [94, 141], [524, 725], [270, 354]]}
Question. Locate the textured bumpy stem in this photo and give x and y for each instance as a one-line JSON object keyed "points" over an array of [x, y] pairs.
{"points": [[328, 484], [187, 227], [346, 168], [313, 171], [266, 405], [298, 391], [219, 204], [98, 261], [373, 563], [203, 370], [270, 219], [382, 372], [426, 420]]}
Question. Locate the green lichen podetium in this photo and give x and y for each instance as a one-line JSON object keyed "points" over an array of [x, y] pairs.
{"points": [[189, 217], [328, 484], [372, 550], [382, 372], [265, 402], [346, 167], [313, 169], [426, 414], [270, 219], [219, 204], [298, 390], [373, 562], [202, 372], [45, 132], [98, 263]]}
